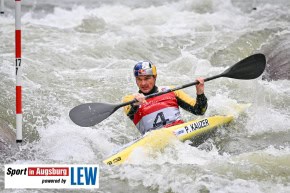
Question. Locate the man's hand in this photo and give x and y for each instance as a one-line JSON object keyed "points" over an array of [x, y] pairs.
{"points": [[200, 86], [139, 97]]}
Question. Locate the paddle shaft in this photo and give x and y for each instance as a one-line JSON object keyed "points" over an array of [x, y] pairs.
{"points": [[169, 90]]}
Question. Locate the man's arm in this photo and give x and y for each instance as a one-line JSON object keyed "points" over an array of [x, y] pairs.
{"points": [[196, 106], [130, 110]]}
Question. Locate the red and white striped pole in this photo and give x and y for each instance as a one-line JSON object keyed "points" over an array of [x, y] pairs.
{"points": [[18, 71], [2, 7]]}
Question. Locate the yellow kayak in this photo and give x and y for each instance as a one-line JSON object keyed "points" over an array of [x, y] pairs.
{"points": [[159, 139]]}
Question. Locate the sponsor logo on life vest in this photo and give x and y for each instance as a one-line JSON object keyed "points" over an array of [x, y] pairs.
{"points": [[192, 127], [52, 176]]}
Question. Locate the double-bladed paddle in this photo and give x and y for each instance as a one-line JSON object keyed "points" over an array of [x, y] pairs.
{"points": [[90, 114]]}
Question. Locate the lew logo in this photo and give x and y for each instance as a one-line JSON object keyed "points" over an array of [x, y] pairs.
{"points": [[84, 176]]}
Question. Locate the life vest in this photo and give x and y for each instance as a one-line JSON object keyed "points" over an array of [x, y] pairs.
{"points": [[158, 112]]}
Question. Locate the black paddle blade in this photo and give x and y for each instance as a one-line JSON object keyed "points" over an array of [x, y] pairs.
{"points": [[90, 114], [248, 68]]}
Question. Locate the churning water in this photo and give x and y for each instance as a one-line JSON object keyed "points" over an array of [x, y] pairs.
{"points": [[83, 51]]}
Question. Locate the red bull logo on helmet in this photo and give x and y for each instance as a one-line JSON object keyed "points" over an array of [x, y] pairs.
{"points": [[144, 72], [141, 72]]}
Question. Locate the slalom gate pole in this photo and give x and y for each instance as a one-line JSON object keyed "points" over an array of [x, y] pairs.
{"points": [[18, 69]]}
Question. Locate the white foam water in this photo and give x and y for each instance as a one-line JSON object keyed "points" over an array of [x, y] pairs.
{"points": [[76, 52]]}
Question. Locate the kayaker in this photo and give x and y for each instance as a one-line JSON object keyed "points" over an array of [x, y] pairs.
{"points": [[160, 111]]}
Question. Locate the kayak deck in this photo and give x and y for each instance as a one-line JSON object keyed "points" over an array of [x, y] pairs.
{"points": [[158, 139]]}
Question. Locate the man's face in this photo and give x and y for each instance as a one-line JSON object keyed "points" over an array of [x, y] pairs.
{"points": [[145, 83]]}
